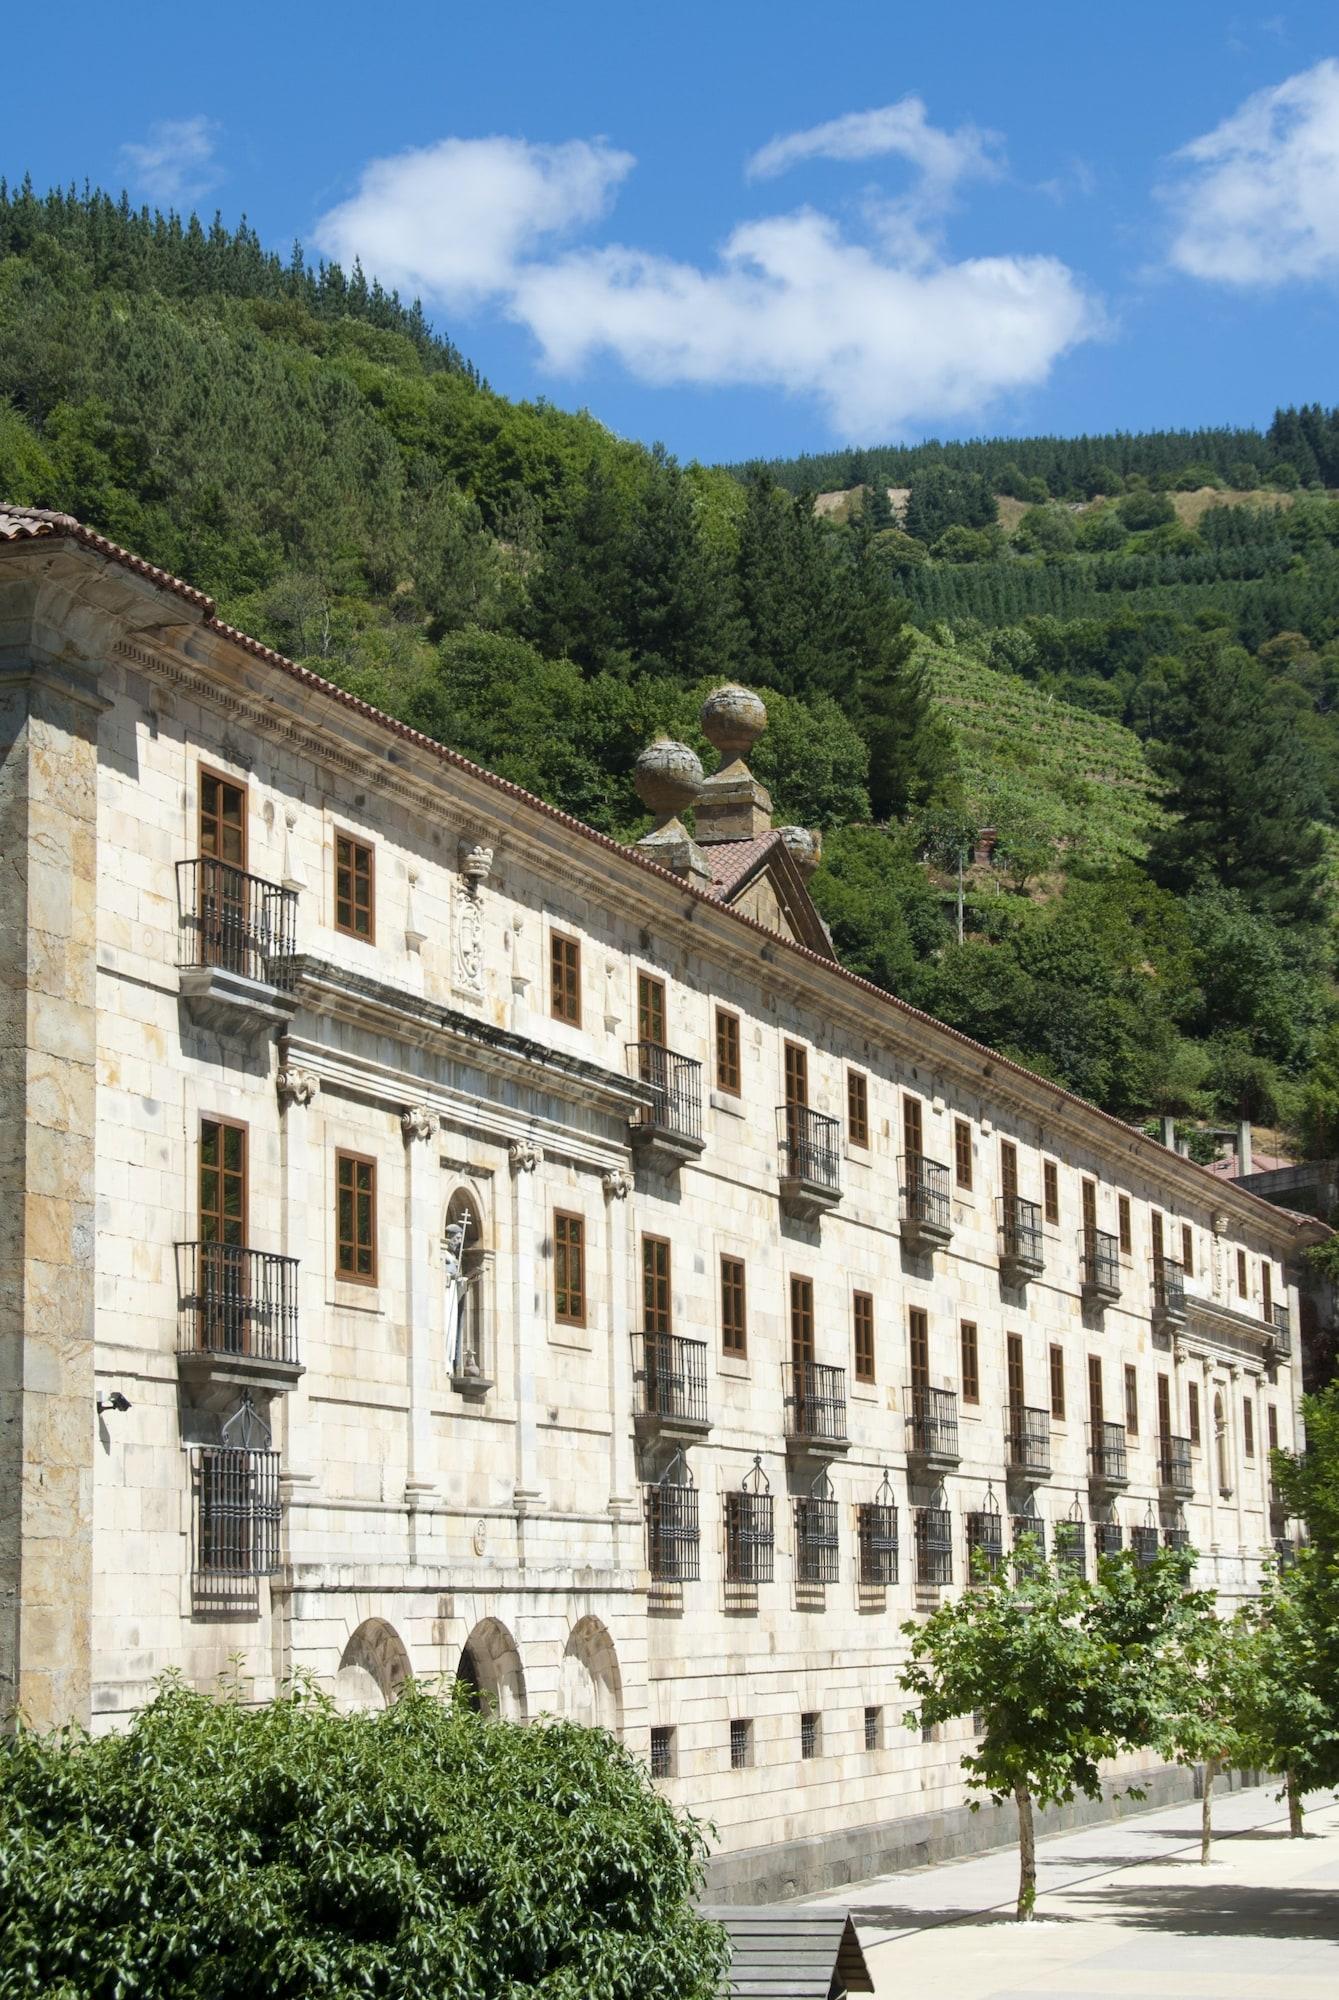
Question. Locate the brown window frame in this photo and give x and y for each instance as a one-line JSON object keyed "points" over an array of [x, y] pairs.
{"points": [[795, 1074], [1050, 1191], [734, 1307], [1187, 1250], [729, 1064], [857, 1108], [1015, 1381], [1131, 1400], [206, 775], [1124, 1225], [1272, 1425], [802, 1326], [1248, 1427], [862, 1326], [918, 1346], [1089, 1205], [913, 1125], [962, 1154], [356, 847], [969, 1353], [566, 1243], [1097, 1405], [345, 1274], [1266, 1291], [657, 1311], [1057, 1380], [218, 1215], [565, 978], [652, 1010], [1193, 1412]]}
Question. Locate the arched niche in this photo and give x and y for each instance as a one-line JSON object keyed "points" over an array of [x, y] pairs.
{"points": [[373, 1667], [490, 1667], [590, 1687], [467, 1260]]}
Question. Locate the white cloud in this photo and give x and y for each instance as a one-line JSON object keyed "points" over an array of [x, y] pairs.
{"points": [[900, 129], [1258, 200], [878, 327], [176, 162], [454, 219]]}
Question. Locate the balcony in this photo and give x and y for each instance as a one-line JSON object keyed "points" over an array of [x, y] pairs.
{"points": [[1283, 1332], [1027, 1442], [668, 1130], [1175, 1469], [1108, 1538], [238, 938], [670, 1379], [926, 1210], [1108, 1464], [1021, 1254], [815, 1407], [810, 1161], [238, 1316], [1168, 1284], [1100, 1268], [932, 1428]]}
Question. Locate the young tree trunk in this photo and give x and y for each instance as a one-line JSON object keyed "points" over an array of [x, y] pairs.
{"points": [[1294, 1805], [1027, 1855], [1206, 1808]]}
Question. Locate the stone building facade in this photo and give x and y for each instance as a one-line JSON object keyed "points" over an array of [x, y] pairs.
{"points": [[435, 1239]]}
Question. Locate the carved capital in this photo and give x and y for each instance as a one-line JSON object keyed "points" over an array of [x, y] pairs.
{"points": [[617, 1183], [418, 1122], [524, 1156], [296, 1086]]}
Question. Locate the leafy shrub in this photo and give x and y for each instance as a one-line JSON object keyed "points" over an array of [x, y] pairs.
{"points": [[424, 1853]]}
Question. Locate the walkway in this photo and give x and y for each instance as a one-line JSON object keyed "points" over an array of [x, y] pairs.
{"points": [[1124, 1912]]}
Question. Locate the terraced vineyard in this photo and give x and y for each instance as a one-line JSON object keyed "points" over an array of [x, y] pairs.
{"points": [[1093, 773]]}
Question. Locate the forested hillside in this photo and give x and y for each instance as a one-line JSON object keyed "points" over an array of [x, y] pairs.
{"points": [[1140, 705]]}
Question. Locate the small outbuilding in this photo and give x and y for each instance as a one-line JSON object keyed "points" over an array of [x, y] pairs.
{"points": [[796, 1952]]}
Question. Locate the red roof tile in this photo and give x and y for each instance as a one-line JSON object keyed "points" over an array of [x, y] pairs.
{"points": [[730, 861]]}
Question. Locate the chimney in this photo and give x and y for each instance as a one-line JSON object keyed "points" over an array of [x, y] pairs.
{"points": [[732, 804], [1244, 1148], [668, 778], [1169, 1134]]}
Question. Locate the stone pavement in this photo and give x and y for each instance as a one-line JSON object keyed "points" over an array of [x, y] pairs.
{"points": [[1124, 1912]]}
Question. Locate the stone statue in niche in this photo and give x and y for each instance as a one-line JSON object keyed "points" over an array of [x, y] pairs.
{"points": [[461, 1327]]}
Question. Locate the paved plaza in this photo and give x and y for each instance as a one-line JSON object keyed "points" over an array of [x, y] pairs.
{"points": [[1125, 1911]]}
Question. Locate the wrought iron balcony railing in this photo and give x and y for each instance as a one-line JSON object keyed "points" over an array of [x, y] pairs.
{"points": [[1175, 1465], [934, 1545], [1027, 1440], [1071, 1547], [675, 1111], [926, 1203], [750, 1537], [673, 1540], [815, 1396], [237, 1303], [876, 1534], [1176, 1538], [1108, 1538], [817, 1539], [235, 922], [670, 1378], [1021, 1251], [1028, 1527], [1283, 1331], [1101, 1267], [810, 1153], [1144, 1544], [932, 1425], [1168, 1279], [1107, 1459], [985, 1545]]}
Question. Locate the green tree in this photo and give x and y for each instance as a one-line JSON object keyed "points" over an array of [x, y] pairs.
{"points": [[285, 1850]]}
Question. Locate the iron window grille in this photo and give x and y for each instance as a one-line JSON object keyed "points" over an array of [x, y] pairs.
{"points": [[933, 1422], [750, 1530], [1283, 1338], [1028, 1527], [926, 1195], [1177, 1536], [237, 1301], [873, 1728], [237, 1490], [1144, 1543], [671, 1380], [676, 1090], [817, 1534], [1028, 1438], [741, 1745], [1071, 1547], [1020, 1230], [662, 1752], [810, 1147], [1108, 1538], [815, 1395], [1169, 1287], [934, 1545], [1285, 1552], [1175, 1468], [235, 921], [876, 1536], [1107, 1458], [809, 1733], [985, 1540], [1101, 1263], [673, 1539]]}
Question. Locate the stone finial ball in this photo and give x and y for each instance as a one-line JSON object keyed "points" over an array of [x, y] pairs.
{"points": [[733, 719], [668, 776], [803, 847]]}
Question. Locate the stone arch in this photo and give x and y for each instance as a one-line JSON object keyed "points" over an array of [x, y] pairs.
{"points": [[490, 1665], [590, 1685], [373, 1667]]}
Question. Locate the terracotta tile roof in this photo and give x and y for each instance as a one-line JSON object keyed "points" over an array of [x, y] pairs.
{"points": [[731, 861], [19, 524]]}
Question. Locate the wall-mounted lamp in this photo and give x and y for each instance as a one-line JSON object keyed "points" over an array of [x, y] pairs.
{"points": [[116, 1401]]}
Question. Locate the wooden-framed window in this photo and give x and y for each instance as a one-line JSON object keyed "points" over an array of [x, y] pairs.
{"points": [[1058, 1383], [801, 1320], [918, 1341], [857, 1107], [728, 1076], [1243, 1276], [1009, 1172], [1155, 1236], [862, 1314], [1188, 1249], [222, 1182], [650, 1010], [569, 1267], [734, 1308], [1272, 1422], [565, 978], [1164, 1407], [1267, 1291], [355, 888], [913, 1128], [222, 819], [962, 1154], [1013, 1362], [797, 1074], [1248, 1426], [1193, 1411], [1095, 1400], [1126, 1234], [657, 1303], [1089, 1212], [1050, 1190], [355, 1218], [971, 1362], [1131, 1401]]}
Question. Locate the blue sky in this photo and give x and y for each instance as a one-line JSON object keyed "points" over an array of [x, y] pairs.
{"points": [[762, 229]]}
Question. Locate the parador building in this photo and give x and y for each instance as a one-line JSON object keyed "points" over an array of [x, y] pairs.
{"points": [[435, 1239]]}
